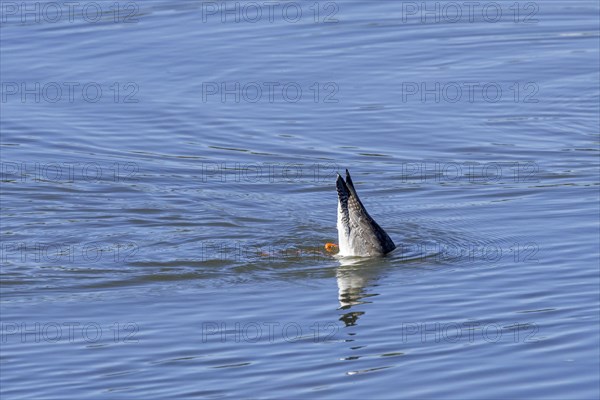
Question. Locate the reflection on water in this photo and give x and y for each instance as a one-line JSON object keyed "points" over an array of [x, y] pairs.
{"points": [[354, 276], [356, 279]]}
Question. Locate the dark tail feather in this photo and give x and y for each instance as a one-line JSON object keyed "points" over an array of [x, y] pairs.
{"points": [[352, 192], [384, 239], [342, 188]]}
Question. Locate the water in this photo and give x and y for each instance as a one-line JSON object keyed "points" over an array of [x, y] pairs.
{"points": [[163, 237]]}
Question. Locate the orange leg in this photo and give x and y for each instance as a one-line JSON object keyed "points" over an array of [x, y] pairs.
{"points": [[331, 247]]}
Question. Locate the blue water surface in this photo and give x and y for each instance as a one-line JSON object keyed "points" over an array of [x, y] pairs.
{"points": [[168, 185]]}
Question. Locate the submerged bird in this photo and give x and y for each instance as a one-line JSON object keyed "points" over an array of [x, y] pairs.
{"points": [[358, 234]]}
